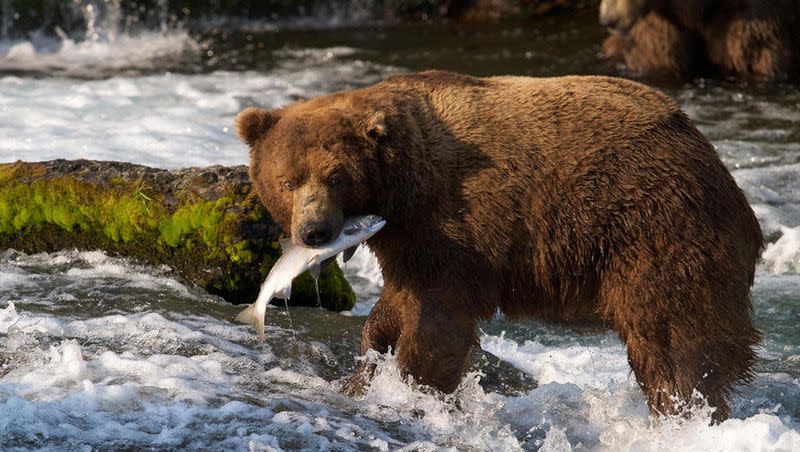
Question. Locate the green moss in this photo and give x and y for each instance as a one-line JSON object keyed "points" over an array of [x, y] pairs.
{"points": [[241, 252], [202, 219], [332, 283], [201, 239], [30, 202]]}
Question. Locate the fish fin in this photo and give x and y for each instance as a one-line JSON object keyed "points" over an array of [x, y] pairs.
{"points": [[286, 244], [348, 253], [314, 271], [251, 316], [284, 293]]}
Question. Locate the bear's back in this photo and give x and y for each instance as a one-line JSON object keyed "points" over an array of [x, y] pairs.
{"points": [[591, 154], [541, 121]]}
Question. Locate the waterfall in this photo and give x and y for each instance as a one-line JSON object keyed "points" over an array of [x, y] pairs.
{"points": [[163, 14], [102, 18], [91, 38], [81, 20], [107, 20], [7, 10]]}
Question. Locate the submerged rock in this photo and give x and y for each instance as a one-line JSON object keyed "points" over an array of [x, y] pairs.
{"points": [[499, 376], [205, 223]]}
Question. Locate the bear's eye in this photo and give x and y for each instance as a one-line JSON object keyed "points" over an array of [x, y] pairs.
{"points": [[289, 184], [336, 180]]}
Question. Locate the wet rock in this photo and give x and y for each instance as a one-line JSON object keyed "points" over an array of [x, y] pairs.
{"points": [[499, 376]]}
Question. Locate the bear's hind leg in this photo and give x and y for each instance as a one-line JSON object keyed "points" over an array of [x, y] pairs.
{"points": [[686, 327]]}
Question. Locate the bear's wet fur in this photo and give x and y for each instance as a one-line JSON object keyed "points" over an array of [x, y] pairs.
{"points": [[580, 200], [745, 38]]}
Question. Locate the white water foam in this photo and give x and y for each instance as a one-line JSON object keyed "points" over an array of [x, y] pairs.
{"points": [[783, 256], [146, 51], [567, 364], [142, 374], [83, 272], [364, 274], [147, 392], [101, 41], [168, 120], [594, 403]]}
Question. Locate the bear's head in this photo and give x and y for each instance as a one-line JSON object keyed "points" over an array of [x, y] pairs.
{"points": [[620, 15], [313, 165]]}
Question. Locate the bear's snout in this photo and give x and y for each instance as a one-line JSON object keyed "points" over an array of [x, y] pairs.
{"points": [[610, 22], [316, 233], [316, 217], [620, 15]]}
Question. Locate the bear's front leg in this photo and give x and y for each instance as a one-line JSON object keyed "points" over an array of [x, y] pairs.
{"points": [[430, 336], [434, 343]]}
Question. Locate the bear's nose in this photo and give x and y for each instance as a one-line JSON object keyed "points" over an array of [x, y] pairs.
{"points": [[315, 234]]}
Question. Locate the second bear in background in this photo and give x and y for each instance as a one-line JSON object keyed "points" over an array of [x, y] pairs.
{"points": [[744, 38]]}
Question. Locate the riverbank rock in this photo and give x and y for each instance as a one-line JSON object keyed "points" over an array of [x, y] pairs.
{"points": [[205, 223]]}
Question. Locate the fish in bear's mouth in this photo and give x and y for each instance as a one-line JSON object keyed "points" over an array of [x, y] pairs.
{"points": [[297, 258]]}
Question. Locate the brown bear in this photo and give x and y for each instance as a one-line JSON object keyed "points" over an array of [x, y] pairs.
{"points": [[581, 200], [747, 38]]}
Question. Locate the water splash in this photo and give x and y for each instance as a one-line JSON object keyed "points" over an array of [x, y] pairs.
{"points": [[315, 277], [7, 11], [102, 19], [104, 42], [289, 316], [162, 7]]}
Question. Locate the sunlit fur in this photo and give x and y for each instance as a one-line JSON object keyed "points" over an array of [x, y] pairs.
{"points": [[582, 200]]}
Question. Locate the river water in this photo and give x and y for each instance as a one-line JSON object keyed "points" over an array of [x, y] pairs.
{"points": [[102, 352]]}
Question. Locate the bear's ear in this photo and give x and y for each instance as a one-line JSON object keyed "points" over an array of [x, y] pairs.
{"points": [[252, 123], [375, 126]]}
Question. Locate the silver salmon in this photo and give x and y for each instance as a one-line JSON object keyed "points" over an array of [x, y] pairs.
{"points": [[296, 259]]}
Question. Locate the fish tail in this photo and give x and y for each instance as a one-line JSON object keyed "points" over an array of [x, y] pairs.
{"points": [[253, 317]]}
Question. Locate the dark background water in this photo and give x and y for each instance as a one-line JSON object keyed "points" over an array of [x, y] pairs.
{"points": [[487, 49]]}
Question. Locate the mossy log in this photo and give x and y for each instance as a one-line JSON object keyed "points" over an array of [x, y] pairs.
{"points": [[205, 223]]}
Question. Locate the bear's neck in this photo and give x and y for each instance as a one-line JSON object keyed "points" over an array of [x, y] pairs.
{"points": [[421, 171], [415, 176]]}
